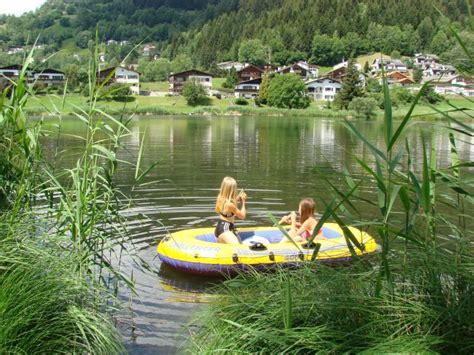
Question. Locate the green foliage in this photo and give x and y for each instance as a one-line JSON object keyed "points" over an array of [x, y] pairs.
{"points": [[41, 295], [364, 107], [264, 87], [429, 95], [287, 91], [181, 63], [351, 87], [241, 101], [253, 51], [417, 75], [195, 94], [403, 95], [231, 79], [117, 92], [326, 50], [156, 70]]}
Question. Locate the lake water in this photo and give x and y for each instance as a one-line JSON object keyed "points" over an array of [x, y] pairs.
{"points": [[277, 160]]}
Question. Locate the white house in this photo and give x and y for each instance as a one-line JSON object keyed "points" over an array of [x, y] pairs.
{"points": [[50, 76], [122, 75], [451, 85], [178, 80], [323, 88], [231, 64], [425, 60], [438, 70], [312, 69], [388, 66], [248, 89]]}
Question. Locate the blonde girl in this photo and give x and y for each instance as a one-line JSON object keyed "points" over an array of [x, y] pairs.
{"points": [[302, 230], [226, 207]]}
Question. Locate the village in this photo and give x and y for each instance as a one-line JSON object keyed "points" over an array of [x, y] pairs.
{"points": [[319, 86]]}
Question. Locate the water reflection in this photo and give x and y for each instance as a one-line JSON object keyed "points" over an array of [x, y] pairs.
{"points": [[278, 161]]}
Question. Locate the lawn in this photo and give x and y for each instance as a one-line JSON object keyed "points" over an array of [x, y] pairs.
{"points": [[161, 86], [178, 105]]}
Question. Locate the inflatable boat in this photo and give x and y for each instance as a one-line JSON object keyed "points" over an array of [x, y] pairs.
{"points": [[197, 251]]}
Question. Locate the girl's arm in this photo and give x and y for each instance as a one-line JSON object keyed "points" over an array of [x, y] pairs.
{"points": [[242, 213], [302, 228]]}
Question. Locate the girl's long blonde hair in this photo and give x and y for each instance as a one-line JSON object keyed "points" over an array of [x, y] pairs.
{"points": [[227, 193]]}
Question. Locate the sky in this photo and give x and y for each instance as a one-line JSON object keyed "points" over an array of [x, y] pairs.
{"points": [[18, 7]]}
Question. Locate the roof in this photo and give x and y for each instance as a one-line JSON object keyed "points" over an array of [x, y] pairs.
{"points": [[253, 81], [251, 66], [292, 66], [322, 79], [190, 72], [108, 70], [12, 67], [52, 71], [441, 79]]}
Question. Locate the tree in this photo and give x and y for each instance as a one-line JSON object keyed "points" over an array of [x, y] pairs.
{"points": [[425, 31], [364, 107], [264, 88], [253, 51], [194, 93], [157, 70], [418, 75], [231, 79], [287, 91], [366, 67], [181, 63], [351, 86], [440, 43], [326, 50]]}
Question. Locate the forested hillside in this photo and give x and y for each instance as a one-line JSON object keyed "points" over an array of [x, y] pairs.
{"points": [[209, 31]]}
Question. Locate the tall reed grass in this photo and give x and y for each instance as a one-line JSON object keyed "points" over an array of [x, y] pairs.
{"points": [[62, 261], [416, 296]]}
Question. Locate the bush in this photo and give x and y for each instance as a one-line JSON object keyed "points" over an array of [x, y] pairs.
{"points": [[116, 92], [403, 96], [241, 101], [429, 95], [195, 94], [364, 107], [287, 91]]}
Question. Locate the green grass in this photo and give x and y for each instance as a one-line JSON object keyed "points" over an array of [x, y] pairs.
{"points": [[160, 86], [217, 83], [175, 105]]}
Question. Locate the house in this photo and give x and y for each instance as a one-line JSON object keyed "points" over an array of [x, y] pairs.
{"points": [[323, 88], [13, 72], [439, 69], [298, 70], [339, 72], [425, 60], [15, 50], [231, 64], [149, 50], [451, 85], [388, 66], [250, 72], [50, 76], [248, 89], [311, 68], [121, 75], [178, 80], [396, 78]]}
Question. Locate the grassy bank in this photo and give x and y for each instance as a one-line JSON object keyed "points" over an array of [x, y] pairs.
{"points": [[176, 105], [62, 236]]}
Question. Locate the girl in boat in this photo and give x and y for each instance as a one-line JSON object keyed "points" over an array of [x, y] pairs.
{"points": [[226, 207], [302, 230]]}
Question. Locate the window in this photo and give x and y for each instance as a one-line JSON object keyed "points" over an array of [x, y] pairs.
{"points": [[133, 76], [328, 89]]}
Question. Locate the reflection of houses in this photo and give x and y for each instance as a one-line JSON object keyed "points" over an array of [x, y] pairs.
{"points": [[323, 88], [50, 76], [121, 75], [451, 85], [248, 89], [231, 64], [396, 78], [178, 80]]}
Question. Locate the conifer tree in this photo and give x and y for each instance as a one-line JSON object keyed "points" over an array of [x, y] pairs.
{"points": [[264, 87], [351, 86]]}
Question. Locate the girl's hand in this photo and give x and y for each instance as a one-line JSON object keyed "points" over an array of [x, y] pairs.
{"points": [[242, 196], [285, 219], [293, 217]]}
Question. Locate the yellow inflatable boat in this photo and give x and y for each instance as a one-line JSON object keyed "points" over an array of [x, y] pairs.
{"points": [[197, 250]]}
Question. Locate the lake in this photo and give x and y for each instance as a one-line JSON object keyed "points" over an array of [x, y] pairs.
{"points": [[278, 160]]}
